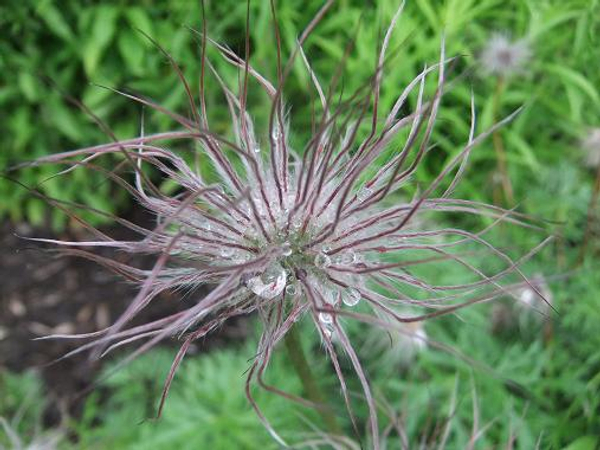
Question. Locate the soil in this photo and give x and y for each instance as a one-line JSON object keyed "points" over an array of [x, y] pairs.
{"points": [[42, 294]]}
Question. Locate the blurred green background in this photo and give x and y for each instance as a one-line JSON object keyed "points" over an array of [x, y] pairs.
{"points": [[51, 52]]}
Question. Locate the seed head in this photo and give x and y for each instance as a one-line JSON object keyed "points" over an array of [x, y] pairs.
{"points": [[537, 296], [316, 233], [591, 145], [503, 57], [398, 346]]}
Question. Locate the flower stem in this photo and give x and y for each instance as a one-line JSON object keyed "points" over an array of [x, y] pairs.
{"points": [[309, 383], [499, 147], [590, 216]]}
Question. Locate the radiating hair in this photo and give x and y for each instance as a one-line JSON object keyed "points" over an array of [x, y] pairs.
{"points": [[330, 232]]}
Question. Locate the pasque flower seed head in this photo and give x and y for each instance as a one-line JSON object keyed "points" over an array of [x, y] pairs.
{"points": [[287, 233], [503, 57]]}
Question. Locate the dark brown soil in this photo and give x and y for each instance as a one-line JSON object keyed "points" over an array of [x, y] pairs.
{"points": [[42, 294]]}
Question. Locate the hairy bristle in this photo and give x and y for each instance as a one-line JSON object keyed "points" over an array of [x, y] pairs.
{"points": [[333, 232]]}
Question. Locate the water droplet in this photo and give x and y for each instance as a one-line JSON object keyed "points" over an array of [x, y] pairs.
{"points": [[325, 318], [275, 133], [322, 261], [270, 283], [226, 252], [291, 290], [351, 296], [286, 249], [364, 194], [347, 258]]}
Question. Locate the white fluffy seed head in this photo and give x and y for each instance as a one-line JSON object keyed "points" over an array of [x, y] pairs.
{"points": [[398, 346], [591, 146], [502, 57], [530, 299]]}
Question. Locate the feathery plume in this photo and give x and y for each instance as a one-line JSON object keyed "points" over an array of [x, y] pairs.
{"points": [[396, 347], [286, 234], [591, 145], [502, 57]]}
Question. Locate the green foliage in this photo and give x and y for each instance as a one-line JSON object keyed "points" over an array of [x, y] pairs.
{"points": [[536, 378], [518, 380], [21, 407], [206, 407]]}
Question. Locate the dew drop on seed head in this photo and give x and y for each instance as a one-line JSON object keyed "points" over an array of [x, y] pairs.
{"points": [[270, 283], [347, 258], [286, 249], [325, 318], [364, 194], [351, 296], [291, 290], [322, 261], [275, 133]]}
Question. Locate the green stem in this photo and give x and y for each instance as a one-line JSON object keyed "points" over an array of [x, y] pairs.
{"points": [[499, 147], [309, 383], [590, 217]]}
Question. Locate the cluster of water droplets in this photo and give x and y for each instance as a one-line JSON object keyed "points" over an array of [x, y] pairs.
{"points": [[280, 279], [349, 296], [324, 258]]}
